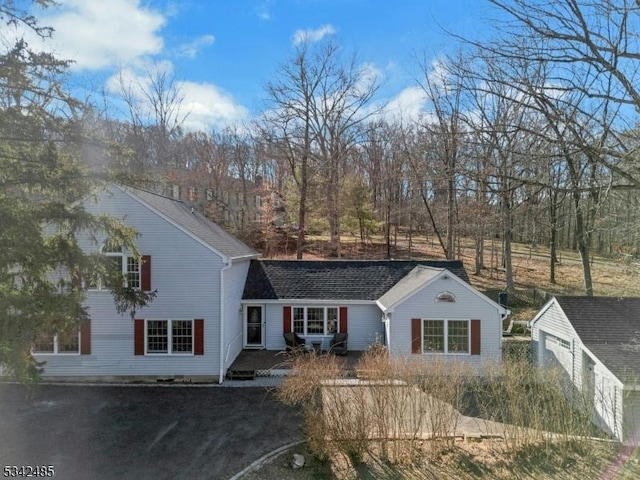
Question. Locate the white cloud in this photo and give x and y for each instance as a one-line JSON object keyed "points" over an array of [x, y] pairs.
{"points": [[438, 76], [208, 106], [408, 106], [369, 76], [203, 105], [311, 35], [190, 50], [262, 10], [99, 34]]}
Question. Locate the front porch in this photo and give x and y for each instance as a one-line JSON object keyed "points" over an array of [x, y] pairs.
{"points": [[273, 363]]}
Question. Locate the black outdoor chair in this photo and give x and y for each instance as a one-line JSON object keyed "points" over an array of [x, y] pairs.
{"points": [[338, 344], [295, 343]]}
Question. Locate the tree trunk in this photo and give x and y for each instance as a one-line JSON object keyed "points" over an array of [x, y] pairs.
{"points": [[479, 257], [333, 195], [507, 228], [582, 235], [433, 224], [553, 214], [451, 199], [304, 183], [582, 241]]}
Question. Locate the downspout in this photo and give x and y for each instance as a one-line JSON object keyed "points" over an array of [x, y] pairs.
{"points": [[386, 328], [227, 266], [387, 331]]}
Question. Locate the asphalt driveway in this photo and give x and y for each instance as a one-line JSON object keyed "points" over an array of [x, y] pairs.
{"points": [[124, 432]]}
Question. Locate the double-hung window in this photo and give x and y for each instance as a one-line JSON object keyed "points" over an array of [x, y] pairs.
{"points": [[58, 343], [124, 265], [315, 320], [170, 336], [132, 272], [445, 336]]}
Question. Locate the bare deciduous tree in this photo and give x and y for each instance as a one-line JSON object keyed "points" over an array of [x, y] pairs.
{"points": [[314, 108]]}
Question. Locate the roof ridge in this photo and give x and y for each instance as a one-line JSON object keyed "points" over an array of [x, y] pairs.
{"points": [[192, 222], [177, 200]]}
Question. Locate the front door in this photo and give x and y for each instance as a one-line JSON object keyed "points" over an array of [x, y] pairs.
{"points": [[254, 330]]}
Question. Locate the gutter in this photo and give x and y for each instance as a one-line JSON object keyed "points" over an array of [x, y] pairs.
{"points": [[227, 266], [251, 256]]}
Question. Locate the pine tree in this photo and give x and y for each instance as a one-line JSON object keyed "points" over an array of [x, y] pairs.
{"points": [[42, 188]]}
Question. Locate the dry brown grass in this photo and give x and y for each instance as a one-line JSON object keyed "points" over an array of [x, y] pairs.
{"points": [[402, 419], [362, 442], [611, 277], [486, 459]]}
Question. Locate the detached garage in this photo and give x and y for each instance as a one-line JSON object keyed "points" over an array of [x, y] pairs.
{"points": [[595, 343]]}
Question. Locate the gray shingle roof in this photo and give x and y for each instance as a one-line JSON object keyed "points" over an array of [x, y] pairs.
{"points": [[195, 223], [610, 328], [333, 279]]}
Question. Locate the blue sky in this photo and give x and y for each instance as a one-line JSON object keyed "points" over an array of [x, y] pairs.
{"points": [[223, 52]]}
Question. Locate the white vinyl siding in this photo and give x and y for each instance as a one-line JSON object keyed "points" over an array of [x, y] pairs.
{"points": [[614, 409], [234, 280], [469, 305], [187, 277], [364, 326], [550, 334], [552, 330]]}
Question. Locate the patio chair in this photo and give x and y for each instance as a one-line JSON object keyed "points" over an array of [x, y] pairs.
{"points": [[338, 344], [295, 343]]}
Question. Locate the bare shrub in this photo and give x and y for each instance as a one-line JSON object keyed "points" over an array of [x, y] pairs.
{"points": [[307, 373], [393, 407], [444, 386], [331, 422], [532, 405], [401, 410]]}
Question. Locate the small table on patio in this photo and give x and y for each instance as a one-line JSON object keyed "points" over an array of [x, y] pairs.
{"points": [[317, 346]]}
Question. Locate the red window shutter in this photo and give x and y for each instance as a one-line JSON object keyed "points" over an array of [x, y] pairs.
{"points": [[138, 337], [286, 319], [475, 337], [198, 333], [85, 337], [416, 331], [344, 320], [145, 273]]}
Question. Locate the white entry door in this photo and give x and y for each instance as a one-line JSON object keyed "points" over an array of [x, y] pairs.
{"points": [[254, 327]]}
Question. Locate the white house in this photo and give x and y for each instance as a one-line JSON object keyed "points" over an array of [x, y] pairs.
{"points": [[413, 307], [595, 342], [193, 328], [215, 298]]}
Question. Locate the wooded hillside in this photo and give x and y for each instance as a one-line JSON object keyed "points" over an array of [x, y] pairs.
{"points": [[530, 136]]}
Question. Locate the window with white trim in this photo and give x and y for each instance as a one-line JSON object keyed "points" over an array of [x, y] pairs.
{"points": [[58, 343], [315, 320], [446, 297], [127, 265], [445, 336], [172, 337]]}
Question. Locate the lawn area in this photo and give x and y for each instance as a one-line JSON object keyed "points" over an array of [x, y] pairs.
{"points": [[565, 456], [615, 277], [468, 460]]}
